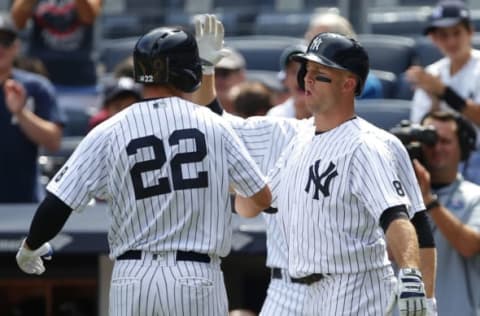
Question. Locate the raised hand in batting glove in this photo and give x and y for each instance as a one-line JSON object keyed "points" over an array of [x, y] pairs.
{"points": [[410, 294], [209, 34], [30, 261]]}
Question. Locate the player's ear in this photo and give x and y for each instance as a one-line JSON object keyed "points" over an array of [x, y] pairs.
{"points": [[350, 83]]}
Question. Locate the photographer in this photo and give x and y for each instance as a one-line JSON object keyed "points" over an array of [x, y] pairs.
{"points": [[454, 206]]}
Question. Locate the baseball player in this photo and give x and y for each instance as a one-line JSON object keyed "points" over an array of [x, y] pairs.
{"points": [[334, 187], [164, 165], [265, 139]]}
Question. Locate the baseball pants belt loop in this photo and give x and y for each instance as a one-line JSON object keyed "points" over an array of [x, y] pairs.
{"points": [[309, 279], [275, 273], [180, 256]]}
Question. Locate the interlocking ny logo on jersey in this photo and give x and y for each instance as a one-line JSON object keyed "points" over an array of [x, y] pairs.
{"points": [[317, 179]]}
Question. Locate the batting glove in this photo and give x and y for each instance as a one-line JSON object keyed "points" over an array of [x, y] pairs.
{"points": [[209, 34], [432, 307], [410, 294], [30, 261]]}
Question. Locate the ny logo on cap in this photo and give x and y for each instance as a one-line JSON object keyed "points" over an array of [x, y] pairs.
{"points": [[316, 43]]}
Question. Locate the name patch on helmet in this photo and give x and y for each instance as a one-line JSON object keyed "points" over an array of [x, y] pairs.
{"points": [[146, 78]]}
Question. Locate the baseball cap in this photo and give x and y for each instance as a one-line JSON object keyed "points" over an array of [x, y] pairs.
{"points": [[447, 13], [234, 60], [122, 85], [285, 57], [290, 51], [6, 25]]}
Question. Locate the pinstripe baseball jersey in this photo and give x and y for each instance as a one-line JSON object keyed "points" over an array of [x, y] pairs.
{"points": [[164, 166], [402, 163], [265, 137], [331, 189]]}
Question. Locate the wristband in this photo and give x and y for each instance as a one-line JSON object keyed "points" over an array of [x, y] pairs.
{"points": [[270, 210], [455, 101], [208, 70], [433, 204]]}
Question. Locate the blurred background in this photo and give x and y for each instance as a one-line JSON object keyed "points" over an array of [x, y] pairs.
{"points": [[76, 282]]}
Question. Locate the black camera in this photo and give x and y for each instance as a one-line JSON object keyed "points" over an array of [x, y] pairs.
{"points": [[413, 136]]}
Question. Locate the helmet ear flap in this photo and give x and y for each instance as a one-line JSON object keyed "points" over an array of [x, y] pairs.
{"points": [[301, 75]]}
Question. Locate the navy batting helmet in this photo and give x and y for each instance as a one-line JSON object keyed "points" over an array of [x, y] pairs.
{"points": [[335, 51], [168, 56]]}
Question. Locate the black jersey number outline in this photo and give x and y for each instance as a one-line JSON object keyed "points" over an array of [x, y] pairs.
{"points": [[159, 159]]}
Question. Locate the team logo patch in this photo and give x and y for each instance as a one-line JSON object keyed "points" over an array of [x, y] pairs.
{"points": [[316, 43], [320, 181]]}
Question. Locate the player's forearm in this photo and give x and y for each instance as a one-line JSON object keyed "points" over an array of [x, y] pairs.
{"points": [[252, 206], [463, 238], [206, 93], [403, 243], [88, 10], [245, 207], [428, 267], [472, 112], [21, 11], [40, 131], [48, 220]]}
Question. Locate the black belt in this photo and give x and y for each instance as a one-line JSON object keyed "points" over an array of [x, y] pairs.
{"points": [[181, 256], [308, 280]]}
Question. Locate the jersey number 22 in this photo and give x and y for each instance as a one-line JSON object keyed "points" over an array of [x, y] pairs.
{"points": [[159, 159]]}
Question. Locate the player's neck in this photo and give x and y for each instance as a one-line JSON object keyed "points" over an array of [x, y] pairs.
{"points": [[151, 92], [332, 118]]}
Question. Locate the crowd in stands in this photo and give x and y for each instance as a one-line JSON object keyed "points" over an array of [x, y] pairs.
{"points": [[60, 56]]}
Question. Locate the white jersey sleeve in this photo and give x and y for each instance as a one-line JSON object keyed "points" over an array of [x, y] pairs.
{"points": [[374, 179], [245, 175], [266, 137], [84, 175], [406, 174]]}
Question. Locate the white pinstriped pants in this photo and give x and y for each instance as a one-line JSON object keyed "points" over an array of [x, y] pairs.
{"points": [[365, 293], [285, 298], [167, 287]]}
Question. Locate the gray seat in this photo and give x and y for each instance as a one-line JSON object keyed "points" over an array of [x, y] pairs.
{"points": [[388, 80], [389, 52], [284, 24], [403, 89], [113, 51], [120, 25], [384, 113], [398, 21], [261, 52]]}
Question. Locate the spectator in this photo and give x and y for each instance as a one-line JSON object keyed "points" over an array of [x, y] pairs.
{"points": [[453, 204], [29, 118], [117, 95], [294, 106], [30, 64], [124, 68], [453, 82], [332, 22], [229, 72], [62, 36], [270, 79], [251, 98]]}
